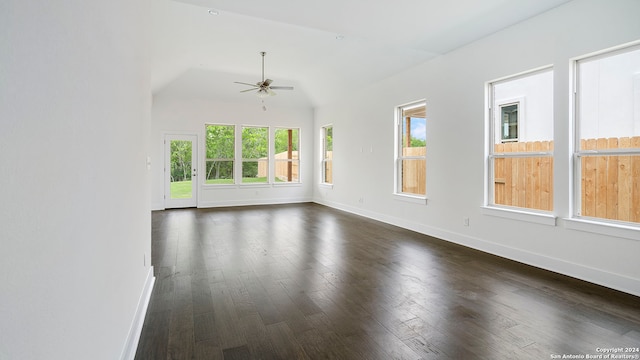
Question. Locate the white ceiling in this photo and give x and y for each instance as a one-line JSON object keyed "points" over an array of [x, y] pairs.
{"points": [[196, 54]]}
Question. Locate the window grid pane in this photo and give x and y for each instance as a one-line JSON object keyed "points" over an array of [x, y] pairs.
{"points": [[287, 155], [255, 171], [328, 171], [414, 176], [255, 154], [220, 149], [255, 142], [219, 172], [609, 187], [287, 171], [523, 181]]}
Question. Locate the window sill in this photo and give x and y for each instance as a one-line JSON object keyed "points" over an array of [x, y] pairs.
{"points": [[218, 186], [521, 215], [286, 184], [604, 228], [326, 185], [411, 199], [253, 185]]}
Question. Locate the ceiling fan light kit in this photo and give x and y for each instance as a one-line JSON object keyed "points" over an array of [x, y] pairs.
{"points": [[263, 88]]}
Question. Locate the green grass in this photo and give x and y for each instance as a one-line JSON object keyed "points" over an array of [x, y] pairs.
{"points": [[219, 181], [254, 180], [181, 189]]}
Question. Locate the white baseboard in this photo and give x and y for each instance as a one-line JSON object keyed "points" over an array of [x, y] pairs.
{"points": [[131, 346], [578, 271], [157, 206], [212, 204]]}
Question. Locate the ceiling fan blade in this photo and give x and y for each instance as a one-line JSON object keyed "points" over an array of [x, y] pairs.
{"points": [[282, 87], [254, 89], [267, 82], [242, 83], [271, 92]]}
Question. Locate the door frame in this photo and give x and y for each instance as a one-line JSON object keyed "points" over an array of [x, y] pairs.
{"points": [[181, 203]]}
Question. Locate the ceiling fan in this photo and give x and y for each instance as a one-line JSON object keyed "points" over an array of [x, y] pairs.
{"points": [[263, 88]]}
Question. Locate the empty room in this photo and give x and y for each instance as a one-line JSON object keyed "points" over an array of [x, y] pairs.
{"points": [[208, 179]]}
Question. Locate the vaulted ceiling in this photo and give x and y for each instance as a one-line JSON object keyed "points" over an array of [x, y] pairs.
{"points": [[325, 49]]}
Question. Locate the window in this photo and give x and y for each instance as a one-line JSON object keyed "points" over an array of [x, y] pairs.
{"points": [[411, 140], [327, 154], [220, 149], [287, 155], [607, 138], [521, 141], [509, 122], [255, 154]]}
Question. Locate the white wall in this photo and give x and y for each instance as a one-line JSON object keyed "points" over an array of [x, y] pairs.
{"points": [[609, 96], [454, 88], [534, 92], [74, 214], [174, 113]]}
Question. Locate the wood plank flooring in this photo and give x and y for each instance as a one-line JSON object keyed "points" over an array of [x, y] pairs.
{"points": [[304, 281]]}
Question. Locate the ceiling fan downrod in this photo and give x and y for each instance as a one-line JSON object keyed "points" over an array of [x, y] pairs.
{"points": [[263, 53]]}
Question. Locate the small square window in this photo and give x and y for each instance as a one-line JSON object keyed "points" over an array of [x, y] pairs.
{"points": [[509, 122]]}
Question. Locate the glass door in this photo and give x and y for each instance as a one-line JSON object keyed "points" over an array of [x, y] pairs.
{"points": [[181, 173]]}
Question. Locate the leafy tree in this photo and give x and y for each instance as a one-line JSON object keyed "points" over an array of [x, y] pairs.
{"points": [[282, 140], [255, 145], [415, 142], [220, 145], [180, 160], [329, 139]]}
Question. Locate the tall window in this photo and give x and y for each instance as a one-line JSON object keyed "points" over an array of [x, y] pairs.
{"points": [[327, 154], [411, 139], [220, 148], [521, 141], [287, 155], [255, 154], [607, 139]]}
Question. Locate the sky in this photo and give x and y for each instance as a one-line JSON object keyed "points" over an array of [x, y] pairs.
{"points": [[419, 128]]}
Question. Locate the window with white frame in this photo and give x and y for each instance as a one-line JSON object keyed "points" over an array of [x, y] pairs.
{"points": [[220, 153], [255, 154], [607, 136], [411, 153], [287, 155], [520, 141], [327, 154], [509, 121]]}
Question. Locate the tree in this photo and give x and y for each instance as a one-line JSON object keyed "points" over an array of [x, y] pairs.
{"points": [[180, 160], [220, 148], [255, 145]]}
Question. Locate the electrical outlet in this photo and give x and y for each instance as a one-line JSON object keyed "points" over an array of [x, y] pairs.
{"points": [[465, 221]]}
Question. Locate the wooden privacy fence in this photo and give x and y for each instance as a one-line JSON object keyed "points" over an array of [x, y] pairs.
{"points": [[611, 183], [328, 167], [285, 170], [524, 181], [414, 171]]}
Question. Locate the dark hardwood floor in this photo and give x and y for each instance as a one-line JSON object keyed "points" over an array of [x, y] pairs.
{"points": [[304, 281]]}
